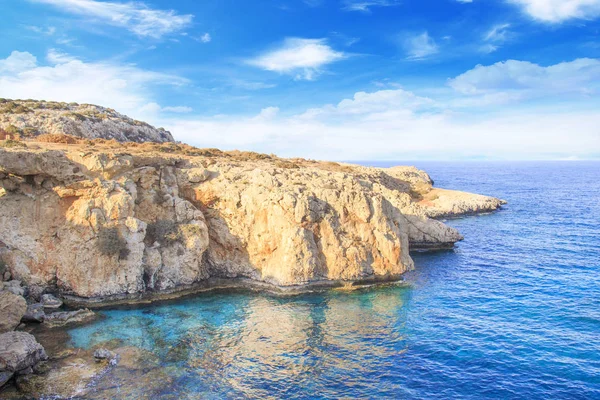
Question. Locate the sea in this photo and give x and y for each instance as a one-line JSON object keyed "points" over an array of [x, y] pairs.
{"points": [[513, 312]]}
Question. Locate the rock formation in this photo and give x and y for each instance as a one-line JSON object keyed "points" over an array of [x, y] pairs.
{"points": [[12, 309], [29, 118], [99, 220], [19, 353]]}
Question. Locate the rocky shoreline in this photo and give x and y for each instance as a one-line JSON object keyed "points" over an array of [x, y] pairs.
{"points": [[99, 223], [104, 220]]}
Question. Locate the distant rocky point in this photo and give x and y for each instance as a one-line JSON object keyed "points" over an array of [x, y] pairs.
{"points": [[30, 118]]}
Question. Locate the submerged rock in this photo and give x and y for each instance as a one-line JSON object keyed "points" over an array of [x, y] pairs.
{"points": [[63, 318], [67, 378], [12, 309]]}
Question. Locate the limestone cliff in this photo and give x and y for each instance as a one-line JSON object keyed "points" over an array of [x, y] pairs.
{"points": [[100, 219], [30, 118]]}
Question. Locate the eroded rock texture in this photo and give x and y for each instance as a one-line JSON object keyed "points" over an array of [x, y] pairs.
{"points": [[28, 118], [96, 221]]}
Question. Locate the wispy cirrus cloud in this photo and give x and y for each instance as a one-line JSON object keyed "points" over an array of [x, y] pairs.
{"points": [[495, 37], [366, 5], [49, 31], [419, 46], [303, 58], [136, 17]]}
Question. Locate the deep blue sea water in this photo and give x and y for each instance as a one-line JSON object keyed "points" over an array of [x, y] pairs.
{"points": [[512, 313]]}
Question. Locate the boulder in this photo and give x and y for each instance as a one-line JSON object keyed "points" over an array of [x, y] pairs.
{"points": [[19, 353], [35, 292], [51, 302], [5, 377], [103, 354], [14, 287], [35, 313], [12, 309]]}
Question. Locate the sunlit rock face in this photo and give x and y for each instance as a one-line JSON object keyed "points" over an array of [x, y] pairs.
{"points": [[98, 220], [28, 118]]}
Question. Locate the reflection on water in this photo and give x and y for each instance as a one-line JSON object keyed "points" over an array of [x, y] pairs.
{"points": [[255, 345]]}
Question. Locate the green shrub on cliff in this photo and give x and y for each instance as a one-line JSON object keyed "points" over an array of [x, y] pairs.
{"points": [[12, 130], [111, 243], [9, 143], [163, 231]]}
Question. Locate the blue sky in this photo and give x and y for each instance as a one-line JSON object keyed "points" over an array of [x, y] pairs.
{"points": [[335, 79]]}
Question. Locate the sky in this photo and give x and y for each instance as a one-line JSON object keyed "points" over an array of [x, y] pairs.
{"points": [[324, 79]]}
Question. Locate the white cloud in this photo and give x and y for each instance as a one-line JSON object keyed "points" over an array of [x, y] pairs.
{"points": [[250, 85], [126, 88], [154, 108], [580, 76], [462, 121], [374, 105], [134, 16], [49, 31], [267, 113], [401, 134], [555, 11], [205, 38], [303, 58], [17, 61], [366, 5], [419, 46], [399, 124], [488, 48], [57, 57], [178, 109]]}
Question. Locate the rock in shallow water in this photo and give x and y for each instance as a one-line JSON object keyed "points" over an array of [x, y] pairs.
{"points": [[19, 353], [68, 317], [12, 308], [105, 354]]}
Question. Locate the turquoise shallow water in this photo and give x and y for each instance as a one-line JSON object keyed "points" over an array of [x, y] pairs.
{"points": [[513, 312]]}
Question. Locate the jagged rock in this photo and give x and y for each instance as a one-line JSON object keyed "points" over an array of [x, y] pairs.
{"points": [[51, 302], [103, 354], [35, 313], [63, 318], [14, 287], [12, 309], [35, 292], [19, 353], [5, 377], [80, 120]]}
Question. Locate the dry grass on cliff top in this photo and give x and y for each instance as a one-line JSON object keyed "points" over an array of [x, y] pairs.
{"points": [[182, 149]]}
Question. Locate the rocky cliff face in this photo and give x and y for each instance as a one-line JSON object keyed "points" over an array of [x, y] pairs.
{"points": [[30, 118], [98, 220]]}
